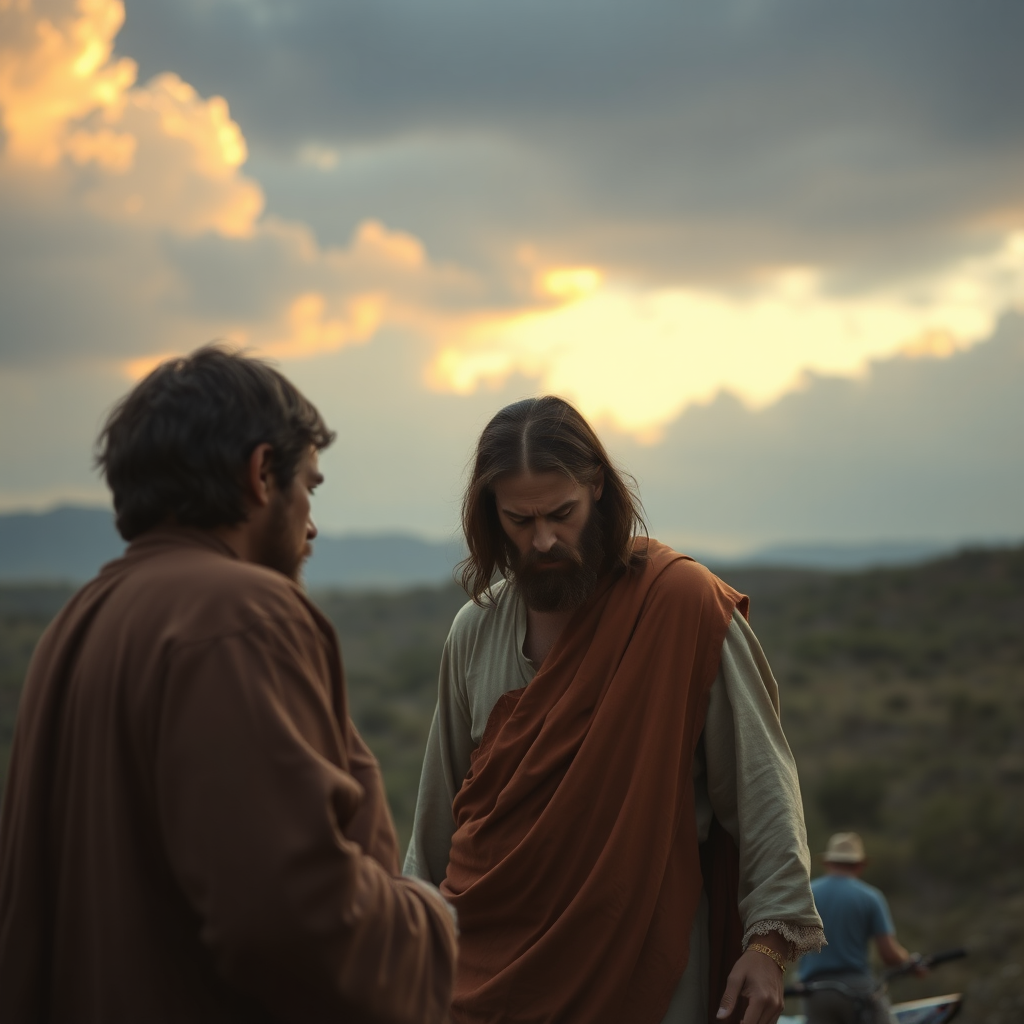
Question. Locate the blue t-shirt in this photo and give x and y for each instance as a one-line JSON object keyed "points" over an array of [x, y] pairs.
{"points": [[853, 913]]}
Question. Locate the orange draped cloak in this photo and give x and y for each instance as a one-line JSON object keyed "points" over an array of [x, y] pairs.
{"points": [[575, 866]]}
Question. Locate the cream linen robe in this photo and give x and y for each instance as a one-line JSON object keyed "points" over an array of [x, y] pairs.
{"points": [[743, 774]]}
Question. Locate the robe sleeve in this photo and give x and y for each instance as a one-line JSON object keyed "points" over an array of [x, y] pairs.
{"points": [[445, 765], [755, 793], [254, 792]]}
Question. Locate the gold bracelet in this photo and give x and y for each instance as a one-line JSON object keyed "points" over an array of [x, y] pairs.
{"points": [[768, 951]]}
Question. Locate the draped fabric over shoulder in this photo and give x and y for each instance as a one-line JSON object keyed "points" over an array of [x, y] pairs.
{"points": [[577, 813]]}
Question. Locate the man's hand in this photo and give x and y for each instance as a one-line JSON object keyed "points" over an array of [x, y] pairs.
{"points": [[919, 968], [755, 977]]}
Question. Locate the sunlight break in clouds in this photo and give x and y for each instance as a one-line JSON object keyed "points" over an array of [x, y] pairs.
{"points": [[163, 162], [639, 358]]}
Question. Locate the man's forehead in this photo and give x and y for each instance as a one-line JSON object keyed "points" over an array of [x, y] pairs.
{"points": [[549, 489]]}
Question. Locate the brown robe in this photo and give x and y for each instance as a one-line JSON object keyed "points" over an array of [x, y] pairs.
{"points": [[192, 828], [575, 866]]}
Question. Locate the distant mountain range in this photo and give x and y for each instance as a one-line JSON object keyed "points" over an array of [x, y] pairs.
{"points": [[69, 544], [837, 556]]}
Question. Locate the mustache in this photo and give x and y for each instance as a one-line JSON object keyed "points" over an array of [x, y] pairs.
{"points": [[557, 553]]}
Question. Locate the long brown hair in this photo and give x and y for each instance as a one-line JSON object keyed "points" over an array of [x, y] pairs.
{"points": [[540, 435]]}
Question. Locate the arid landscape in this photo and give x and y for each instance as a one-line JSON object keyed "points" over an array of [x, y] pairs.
{"points": [[903, 700]]}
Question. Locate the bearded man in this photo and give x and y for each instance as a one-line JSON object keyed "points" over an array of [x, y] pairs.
{"points": [[192, 828], [607, 797]]}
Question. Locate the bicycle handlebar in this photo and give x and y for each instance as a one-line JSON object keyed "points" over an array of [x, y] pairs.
{"points": [[949, 954], [802, 988], [930, 960]]}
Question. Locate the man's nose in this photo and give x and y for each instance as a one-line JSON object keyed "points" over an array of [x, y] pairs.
{"points": [[310, 529], [543, 537]]}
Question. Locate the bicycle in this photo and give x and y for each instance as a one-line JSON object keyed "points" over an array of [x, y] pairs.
{"points": [[933, 1010]]}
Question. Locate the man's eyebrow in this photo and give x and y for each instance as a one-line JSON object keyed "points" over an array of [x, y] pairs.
{"points": [[564, 507]]}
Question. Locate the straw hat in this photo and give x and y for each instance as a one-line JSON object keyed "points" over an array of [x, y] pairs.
{"points": [[845, 848]]}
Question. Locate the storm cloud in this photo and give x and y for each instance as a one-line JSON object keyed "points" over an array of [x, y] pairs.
{"points": [[672, 139]]}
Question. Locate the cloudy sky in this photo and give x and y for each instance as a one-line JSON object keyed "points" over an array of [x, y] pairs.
{"points": [[773, 248]]}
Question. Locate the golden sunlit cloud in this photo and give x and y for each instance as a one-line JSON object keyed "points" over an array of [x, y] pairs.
{"points": [[113, 151], [309, 331], [639, 358], [571, 282], [452, 371], [933, 345], [312, 333], [167, 158], [161, 159], [136, 369], [60, 73], [185, 177], [339, 313], [375, 243]]}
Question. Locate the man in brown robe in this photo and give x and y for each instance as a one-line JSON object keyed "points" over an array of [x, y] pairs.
{"points": [[607, 797], [192, 828]]}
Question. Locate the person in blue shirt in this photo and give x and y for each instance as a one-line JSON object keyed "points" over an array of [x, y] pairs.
{"points": [[854, 914]]}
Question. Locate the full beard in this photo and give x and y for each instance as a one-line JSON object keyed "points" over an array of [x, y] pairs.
{"points": [[277, 550], [560, 588]]}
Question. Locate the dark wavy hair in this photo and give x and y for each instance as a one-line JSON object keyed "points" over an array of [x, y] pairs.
{"points": [[175, 448], [538, 435]]}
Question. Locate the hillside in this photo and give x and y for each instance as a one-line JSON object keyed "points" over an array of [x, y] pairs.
{"points": [[68, 544], [903, 699]]}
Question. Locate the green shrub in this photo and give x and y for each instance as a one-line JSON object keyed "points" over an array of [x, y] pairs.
{"points": [[960, 836], [851, 798]]}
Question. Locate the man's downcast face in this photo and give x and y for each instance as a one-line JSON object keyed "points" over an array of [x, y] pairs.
{"points": [[556, 538], [562, 579]]}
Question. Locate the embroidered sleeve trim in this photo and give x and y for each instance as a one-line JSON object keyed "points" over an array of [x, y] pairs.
{"points": [[802, 938]]}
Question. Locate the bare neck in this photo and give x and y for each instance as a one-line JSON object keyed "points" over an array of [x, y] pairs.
{"points": [[542, 630]]}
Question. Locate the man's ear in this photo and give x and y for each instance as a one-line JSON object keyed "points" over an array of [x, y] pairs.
{"points": [[259, 478], [598, 485]]}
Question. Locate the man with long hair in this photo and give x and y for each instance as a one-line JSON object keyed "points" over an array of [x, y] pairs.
{"points": [[607, 797], [192, 828]]}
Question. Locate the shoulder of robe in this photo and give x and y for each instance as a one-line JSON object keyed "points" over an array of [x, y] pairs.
{"points": [[472, 619], [685, 578], [202, 593], [687, 588]]}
